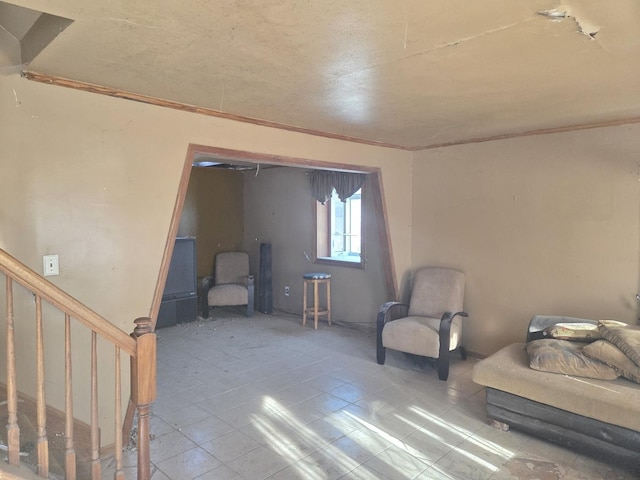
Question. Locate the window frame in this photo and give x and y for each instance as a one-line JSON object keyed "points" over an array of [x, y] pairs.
{"points": [[322, 234]]}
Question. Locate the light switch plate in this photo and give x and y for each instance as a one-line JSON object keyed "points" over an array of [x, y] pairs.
{"points": [[50, 265]]}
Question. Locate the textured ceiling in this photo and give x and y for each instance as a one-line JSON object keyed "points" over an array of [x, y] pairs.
{"points": [[408, 73]]}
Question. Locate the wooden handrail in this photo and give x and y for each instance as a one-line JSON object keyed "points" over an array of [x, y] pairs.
{"points": [[140, 346], [29, 279]]}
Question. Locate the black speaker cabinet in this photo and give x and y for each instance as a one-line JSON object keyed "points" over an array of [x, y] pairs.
{"points": [[265, 287], [177, 310], [179, 300]]}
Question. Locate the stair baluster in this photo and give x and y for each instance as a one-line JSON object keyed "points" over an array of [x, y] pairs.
{"points": [[119, 474], [13, 431], [70, 453], [95, 429], [41, 401], [140, 346]]}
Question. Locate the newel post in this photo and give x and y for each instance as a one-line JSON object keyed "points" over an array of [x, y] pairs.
{"points": [[143, 388]]}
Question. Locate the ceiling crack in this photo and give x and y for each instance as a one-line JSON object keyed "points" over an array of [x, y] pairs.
{"points": [[124, 20], [472, 37], [440, 47]]}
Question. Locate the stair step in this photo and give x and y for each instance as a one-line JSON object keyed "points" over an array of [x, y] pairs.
{"points": [[23, 472], [55, 435]]}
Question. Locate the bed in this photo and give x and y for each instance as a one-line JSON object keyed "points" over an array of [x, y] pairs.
{"points": [[597, 417]]}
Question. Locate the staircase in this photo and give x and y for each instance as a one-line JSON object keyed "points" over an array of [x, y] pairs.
{"points": [[53, 441], [55, 436], [22, 472]]}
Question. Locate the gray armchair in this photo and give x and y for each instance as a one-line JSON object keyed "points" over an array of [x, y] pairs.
{"points": [[430, 325], [231, 283]]}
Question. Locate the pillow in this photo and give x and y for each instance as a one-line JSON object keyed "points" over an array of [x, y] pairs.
{"points": [[562, 356], [625, 338], [577, 332], [612, 323], [614, 357]]}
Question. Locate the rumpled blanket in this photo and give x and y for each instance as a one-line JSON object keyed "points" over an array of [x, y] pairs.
{"points": [[616, 353]]}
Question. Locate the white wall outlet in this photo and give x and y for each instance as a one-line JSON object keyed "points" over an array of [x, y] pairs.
{"points": [[286, 291], [50, 265]]}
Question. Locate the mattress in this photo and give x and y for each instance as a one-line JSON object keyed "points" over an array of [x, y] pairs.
{"points": [[612, 401]]}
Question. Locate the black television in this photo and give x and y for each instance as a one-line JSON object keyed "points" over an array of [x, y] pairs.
{"points": [[181, 279]]}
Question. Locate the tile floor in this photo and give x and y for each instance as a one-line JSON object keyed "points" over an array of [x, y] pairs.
{"points": [[265, 398]]}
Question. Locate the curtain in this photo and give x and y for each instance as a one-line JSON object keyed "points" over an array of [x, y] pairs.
{"points": [[345, 183], [321, 185]]}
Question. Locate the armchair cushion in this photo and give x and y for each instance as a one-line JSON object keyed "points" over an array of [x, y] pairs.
{"points": [[435, 291], [418, 335], [228, 294], [231, 267], [232, 283]]}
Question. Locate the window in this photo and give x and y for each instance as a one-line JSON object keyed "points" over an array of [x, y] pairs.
{"points": [[339, 231]]}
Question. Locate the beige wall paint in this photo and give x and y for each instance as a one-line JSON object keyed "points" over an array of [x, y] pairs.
{"points": [[279, 210], [540, 225], [213, 213], [546, 224], [94, 179]]}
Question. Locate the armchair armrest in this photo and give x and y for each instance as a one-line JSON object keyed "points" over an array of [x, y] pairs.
{"points": [[207, 283], [445, 342], [392, 311]]}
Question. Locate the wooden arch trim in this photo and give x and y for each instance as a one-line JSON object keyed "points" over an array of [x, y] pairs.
{"points": [[227, 155]]}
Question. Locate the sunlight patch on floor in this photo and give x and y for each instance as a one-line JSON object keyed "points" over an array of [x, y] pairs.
{"points": [[268, 426]]}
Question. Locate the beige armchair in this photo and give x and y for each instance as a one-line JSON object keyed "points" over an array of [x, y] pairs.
{"points": [[430, 325], [231, 283]]}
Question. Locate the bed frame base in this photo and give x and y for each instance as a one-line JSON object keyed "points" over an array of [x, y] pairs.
{"points": [[606, 442]]}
